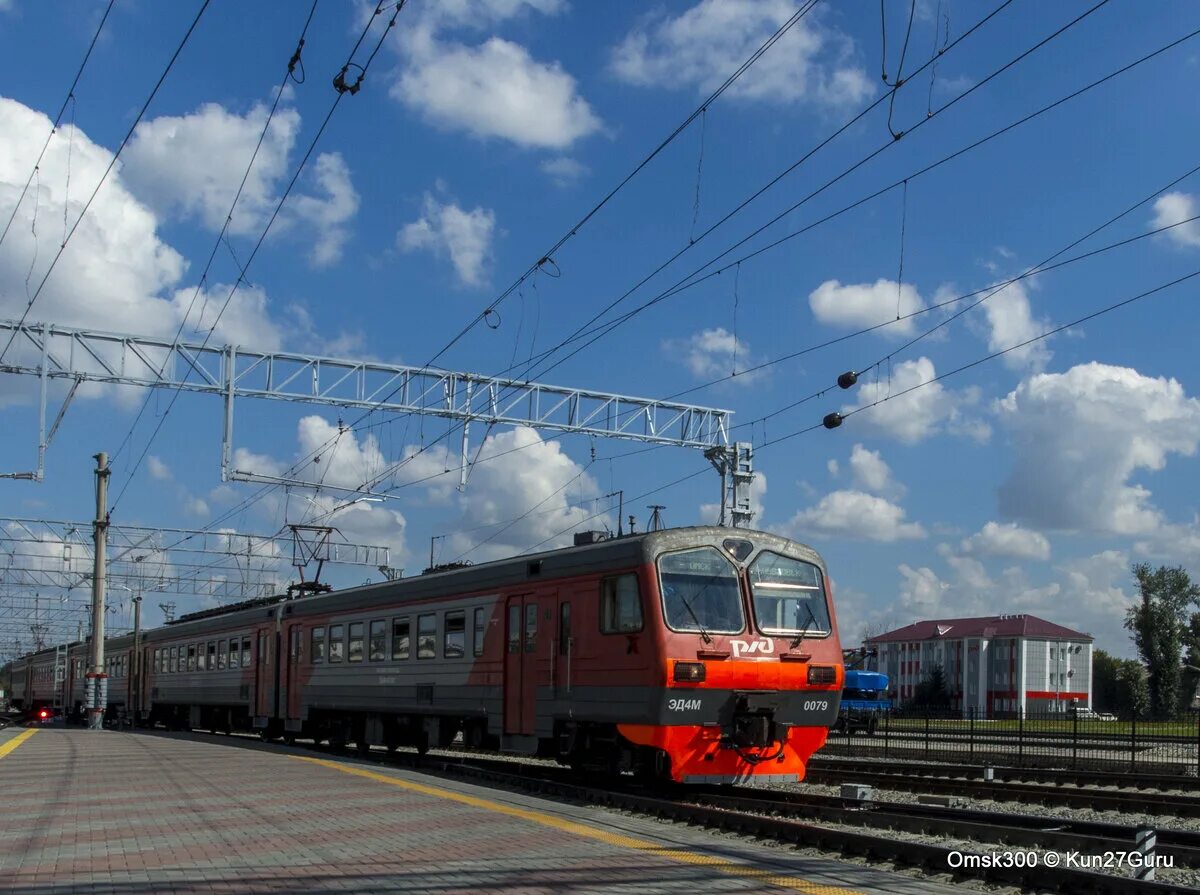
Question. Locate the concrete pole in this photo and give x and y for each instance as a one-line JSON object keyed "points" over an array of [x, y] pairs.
{"points": [[136, 664], [96, 695]]}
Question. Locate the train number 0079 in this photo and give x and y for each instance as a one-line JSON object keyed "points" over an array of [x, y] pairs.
{"points": [[683, 705], [816, 705]]}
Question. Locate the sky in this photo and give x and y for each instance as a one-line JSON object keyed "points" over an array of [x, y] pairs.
{"points": [[485, 130]]}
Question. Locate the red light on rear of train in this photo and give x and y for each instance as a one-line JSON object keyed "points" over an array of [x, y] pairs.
{"points": [[43, 714]]}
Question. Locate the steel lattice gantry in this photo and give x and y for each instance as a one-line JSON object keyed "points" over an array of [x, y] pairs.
{"points": [[55, 352]]}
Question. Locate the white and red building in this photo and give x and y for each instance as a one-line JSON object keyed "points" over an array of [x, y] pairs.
{"points": [[996, 665]]}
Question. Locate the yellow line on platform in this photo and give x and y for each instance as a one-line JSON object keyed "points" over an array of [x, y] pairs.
{"points": [[731, 868], [12, 744]]}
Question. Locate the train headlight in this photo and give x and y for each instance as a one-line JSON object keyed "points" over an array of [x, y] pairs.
{"points": [[822, 674], [689, 672]]}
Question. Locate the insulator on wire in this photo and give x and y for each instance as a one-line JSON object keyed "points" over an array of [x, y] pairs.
{"points": [[847, 379], [833, 420]]}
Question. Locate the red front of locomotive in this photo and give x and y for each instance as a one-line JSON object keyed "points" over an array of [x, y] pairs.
{"points": [[750, 670]]}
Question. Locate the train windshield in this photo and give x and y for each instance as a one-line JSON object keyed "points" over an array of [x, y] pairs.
{"points": [[789, 596], [700, 592]]}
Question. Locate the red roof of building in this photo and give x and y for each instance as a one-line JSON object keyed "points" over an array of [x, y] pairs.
{"points": [[988, 626]]}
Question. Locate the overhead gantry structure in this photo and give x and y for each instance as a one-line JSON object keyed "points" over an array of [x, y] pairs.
{"points": [[76, 356]]}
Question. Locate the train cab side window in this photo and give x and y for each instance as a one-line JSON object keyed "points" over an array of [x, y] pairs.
{"points": [[234, 660], [318, 645], [514, 629], [355, 651], [212, 655], [480, 630], [337, 645], [454, 643], [564, 628], [426, 636], [620, 605], [400, 646], [378, 646]]}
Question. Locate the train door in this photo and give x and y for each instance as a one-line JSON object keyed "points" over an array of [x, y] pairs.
{"points": [[291, 694], [520, 665], [262, 674]]}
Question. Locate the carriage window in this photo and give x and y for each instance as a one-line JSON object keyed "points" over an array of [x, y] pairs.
{"points": [[318, 645], [564, 628], [620, 605], [221, 654], [426, 636], [174, 659], [480, 630], [246, 650], [789, 597], [454, 643], [212, 655], [337, 646], [700, 591], [531, 613], [157, 666], [200, 657], [378, 648], [355, 652], [400, 638], [233, 653], [514, 629], [191, 662]]}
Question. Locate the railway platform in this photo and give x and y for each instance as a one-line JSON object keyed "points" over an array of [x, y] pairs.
{"points": [[143, 812]]}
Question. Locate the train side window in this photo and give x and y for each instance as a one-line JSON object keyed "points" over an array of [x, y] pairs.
{"points": [[480, 630], [378, 645], [212, 655], [191, 666], [454, 637], [221, 655], [564, 628], [427, 636], [531, 614], [234, 660], [246, 652], [174, 666], [355, 651], [156, 663], [337, 645], [620, 605], [400, 638], [514, 629], [200, 657], [318, 645]]}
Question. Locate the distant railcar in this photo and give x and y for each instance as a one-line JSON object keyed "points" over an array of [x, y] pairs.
{"points": [[864, 701], [698, 654]]}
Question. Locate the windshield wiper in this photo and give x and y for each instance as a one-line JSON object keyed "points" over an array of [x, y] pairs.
{"points": [[692, 612], [812, 620]]}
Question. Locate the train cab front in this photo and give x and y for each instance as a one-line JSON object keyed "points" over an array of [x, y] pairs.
{"points": [[753, 671]]}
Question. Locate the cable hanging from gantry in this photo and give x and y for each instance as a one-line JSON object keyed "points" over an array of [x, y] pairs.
{"points": [[900, 79]]}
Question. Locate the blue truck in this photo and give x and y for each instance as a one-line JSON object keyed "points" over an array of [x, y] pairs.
{"points": [[864, 702]]}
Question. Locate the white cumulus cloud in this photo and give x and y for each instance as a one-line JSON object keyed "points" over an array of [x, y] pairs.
{"points": [[1008, 539], [855, 515], [1080, 436], [700, 47], [866, 304], [445, 228], [712, 353], [1010, 321], [870, 472], [927, 409], [1172, 208]]}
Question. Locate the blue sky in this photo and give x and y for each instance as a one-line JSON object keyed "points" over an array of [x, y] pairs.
{"points": [[485, 128]]}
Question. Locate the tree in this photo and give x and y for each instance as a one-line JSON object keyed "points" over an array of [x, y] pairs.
{"points": [[931, 693], [1158, 624], [1119, 685]]}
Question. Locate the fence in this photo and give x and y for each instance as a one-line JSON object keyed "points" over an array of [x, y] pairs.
{"points": [[1052, 740]]}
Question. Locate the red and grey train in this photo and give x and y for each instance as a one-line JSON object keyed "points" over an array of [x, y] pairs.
{"points": [[697, 654]]}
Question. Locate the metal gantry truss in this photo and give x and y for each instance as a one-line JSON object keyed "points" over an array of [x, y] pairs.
{"points": [[53, 352], [46, 570]]}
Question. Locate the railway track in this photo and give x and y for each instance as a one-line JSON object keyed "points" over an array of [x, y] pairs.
{"points": [[1122, 801], [1056, 776]]}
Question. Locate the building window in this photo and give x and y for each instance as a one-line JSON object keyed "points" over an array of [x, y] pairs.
{"points": [[620, 605], [355, 651], [426, 636], [400, 638], [337, 643], [378, 648], [480, 630], [454, 637], [317, 648]]}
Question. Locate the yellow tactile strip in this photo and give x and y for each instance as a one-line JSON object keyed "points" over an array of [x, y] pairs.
{"points": [[16, 741]]}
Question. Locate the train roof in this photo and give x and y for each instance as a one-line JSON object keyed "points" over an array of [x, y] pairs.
{"points": [[612, 553], [865, 680]]}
